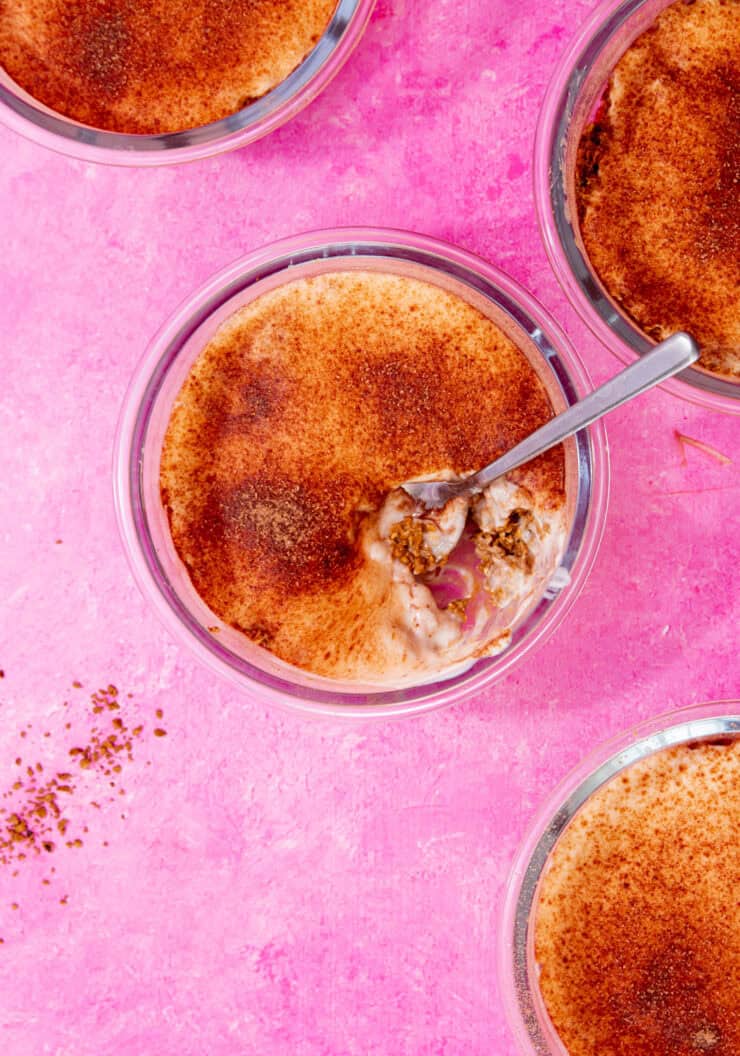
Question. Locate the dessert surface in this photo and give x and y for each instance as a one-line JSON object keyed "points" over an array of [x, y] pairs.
{"points": [[159, 65], [637, 931], [657, 180], [285, 451]]}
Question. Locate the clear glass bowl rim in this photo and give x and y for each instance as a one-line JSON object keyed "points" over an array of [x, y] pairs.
{"points": [[534, 1035], [49, 129], [277, 256], [625, 340]]}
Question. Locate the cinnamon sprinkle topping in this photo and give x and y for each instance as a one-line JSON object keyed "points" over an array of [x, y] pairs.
{"points": [[155, 66]]}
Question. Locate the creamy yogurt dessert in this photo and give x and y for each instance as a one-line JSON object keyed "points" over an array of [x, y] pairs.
{"points": [[657, 181], [282, 463], [155, 66], [637, 921]]}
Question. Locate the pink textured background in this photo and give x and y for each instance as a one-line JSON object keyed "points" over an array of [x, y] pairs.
{"points": [[279, 885]]}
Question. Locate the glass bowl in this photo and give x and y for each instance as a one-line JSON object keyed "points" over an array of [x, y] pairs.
{"points": [[525, 1009], [570, 102], [30, 118], [161, 373]]}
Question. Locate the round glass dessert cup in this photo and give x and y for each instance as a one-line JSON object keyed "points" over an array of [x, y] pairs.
{"points": [[571, 100], [525, 1008], [30, 118], [143, 521]]}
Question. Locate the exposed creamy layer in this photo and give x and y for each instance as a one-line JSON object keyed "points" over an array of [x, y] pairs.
{"points": [[658, 177], [461, 577], [637, 928], [284, 453], [155, 66]]}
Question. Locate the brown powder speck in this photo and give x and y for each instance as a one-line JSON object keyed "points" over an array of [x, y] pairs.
{"points": [[159, 732], [77, 685], [160, 713]]}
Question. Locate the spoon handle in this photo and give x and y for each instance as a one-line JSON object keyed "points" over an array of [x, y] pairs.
{"points": [[661, 362]]}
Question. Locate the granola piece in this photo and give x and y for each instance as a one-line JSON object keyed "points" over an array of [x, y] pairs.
{"points": [[507, 543], [458, 607], [424, 539], [409, 547]]}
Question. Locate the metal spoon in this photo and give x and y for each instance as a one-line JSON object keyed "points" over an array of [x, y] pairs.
{"points": [[661, 362]]}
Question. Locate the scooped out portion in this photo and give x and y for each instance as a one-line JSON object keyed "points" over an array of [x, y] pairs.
{"points": [[462, 575], [282, 467]]}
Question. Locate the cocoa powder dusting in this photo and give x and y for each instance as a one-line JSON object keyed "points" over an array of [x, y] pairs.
{"points": [[155, 66], [637, 932], [656, 181]]}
